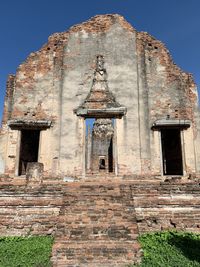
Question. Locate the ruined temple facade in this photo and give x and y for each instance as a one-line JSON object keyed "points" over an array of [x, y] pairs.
{"points": [[101, 98]]}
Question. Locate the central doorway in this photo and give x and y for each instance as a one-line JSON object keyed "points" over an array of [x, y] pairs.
{"points": [[171, 152], [28, 149], [99, 145]]}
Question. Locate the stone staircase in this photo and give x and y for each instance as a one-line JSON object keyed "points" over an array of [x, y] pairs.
{"points": [[96, 227]]}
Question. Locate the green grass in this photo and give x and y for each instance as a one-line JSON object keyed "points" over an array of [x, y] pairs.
{"points": [[170, 249], [163, 249], [32, 251]]}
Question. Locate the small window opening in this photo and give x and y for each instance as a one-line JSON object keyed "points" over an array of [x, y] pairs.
{"points": [[28, 149], [171, 152], [102, 164], [176, 113]]}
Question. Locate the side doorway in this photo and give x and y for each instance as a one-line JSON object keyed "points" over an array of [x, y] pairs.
{"points": [[171, 152], [29, 148]]}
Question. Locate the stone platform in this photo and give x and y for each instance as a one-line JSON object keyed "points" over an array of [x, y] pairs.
{"points": [[96, 223]]}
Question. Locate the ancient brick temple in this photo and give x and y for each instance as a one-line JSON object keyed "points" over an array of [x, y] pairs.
{"points": [[100, 142], [144, 106]]}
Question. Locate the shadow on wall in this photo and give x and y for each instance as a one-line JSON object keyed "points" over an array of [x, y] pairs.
{"points": [[187, 245]]}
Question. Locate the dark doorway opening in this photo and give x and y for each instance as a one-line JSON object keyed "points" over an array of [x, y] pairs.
{"points": [[110, 156], [102, 164], [171, 152], [28, 149]]}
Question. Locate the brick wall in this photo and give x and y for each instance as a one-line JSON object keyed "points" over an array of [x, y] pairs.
{"points": [[97, 223]]}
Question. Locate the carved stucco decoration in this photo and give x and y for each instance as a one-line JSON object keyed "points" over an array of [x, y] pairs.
{"points": [[100, 101], [103, 127]]}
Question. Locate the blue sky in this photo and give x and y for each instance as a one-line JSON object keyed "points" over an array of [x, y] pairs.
{"points": [[26, 24]]}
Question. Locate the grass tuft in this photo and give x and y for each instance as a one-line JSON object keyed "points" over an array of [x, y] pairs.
{"points": [[170, 249], [33, 251]]}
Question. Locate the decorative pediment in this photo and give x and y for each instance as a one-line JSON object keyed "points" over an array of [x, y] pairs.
{"points": [[100, 101]]}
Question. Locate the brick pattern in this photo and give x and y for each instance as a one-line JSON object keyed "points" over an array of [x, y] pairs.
{"points": [[93, 224], [164, 74], [97, 223], [169, 205], [8, 98]]}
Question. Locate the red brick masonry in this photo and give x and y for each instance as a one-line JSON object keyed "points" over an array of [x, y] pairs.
{"points": [[97, 223]]}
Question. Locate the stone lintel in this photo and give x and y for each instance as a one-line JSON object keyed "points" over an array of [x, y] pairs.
{"points": [[107, 112], [171, 123], [29, 124]]}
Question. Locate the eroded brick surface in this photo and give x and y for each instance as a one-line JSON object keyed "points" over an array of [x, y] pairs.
{"points": [[97, 223], [93, 224]]}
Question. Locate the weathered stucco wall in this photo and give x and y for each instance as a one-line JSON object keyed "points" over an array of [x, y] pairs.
{"points": [[55, 81], [3, 143], [197, 143], [166, 92]]}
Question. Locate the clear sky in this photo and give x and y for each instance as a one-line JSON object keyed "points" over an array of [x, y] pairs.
{"points": [[26, 24]]}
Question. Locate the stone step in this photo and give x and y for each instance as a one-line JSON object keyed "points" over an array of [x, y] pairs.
{"points": [[99, 231], [95, 253]]}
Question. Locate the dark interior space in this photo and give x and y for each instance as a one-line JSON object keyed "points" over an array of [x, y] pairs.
{"points": [[171, 151], [28, 149], [110, 156], [102, 164]]}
